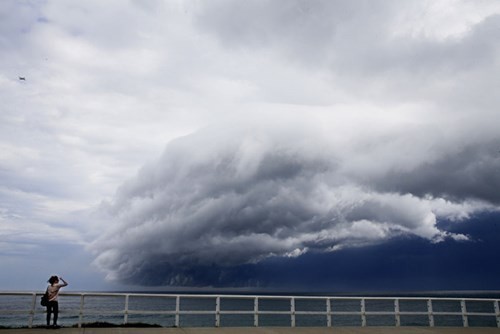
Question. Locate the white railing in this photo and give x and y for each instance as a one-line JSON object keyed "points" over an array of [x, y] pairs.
{"points": [[329, 312]]}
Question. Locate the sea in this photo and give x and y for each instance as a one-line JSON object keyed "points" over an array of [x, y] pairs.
{"points": [[99, 310]]}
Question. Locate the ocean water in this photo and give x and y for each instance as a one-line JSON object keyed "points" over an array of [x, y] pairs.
{"points": [[110, 309]]}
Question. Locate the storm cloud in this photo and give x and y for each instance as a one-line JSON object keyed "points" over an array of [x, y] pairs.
{"points": [[291, 132], [376, 121], [234, 195]]}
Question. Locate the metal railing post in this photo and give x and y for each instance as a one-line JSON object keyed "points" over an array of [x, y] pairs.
{"points": [[292, 312], [497, 312], [217, 311], [363, 313], [328, 312], [177, 310], [396, 312], [256, 312], [80, 314], [32, 312], [465, 319], [430, 313], [125, 313]]}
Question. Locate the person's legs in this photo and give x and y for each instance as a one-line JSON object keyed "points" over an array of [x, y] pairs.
{"points": [[56, 312], [49, 311]]}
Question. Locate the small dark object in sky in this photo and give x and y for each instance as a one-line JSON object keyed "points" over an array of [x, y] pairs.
{"points": [[22, 78]]}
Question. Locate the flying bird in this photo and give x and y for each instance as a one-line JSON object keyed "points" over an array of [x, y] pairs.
{"points": [[22, 78]]}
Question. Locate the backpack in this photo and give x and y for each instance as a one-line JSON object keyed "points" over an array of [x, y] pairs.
{"points": [[45, 298]]}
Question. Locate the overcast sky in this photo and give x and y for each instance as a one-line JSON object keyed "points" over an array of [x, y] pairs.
{"points": [[247, 143]]}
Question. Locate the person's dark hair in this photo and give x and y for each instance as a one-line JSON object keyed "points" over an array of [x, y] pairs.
{"points": [[53, 279]]}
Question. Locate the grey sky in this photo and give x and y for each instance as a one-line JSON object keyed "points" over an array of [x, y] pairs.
{"points": [[259, 128]]}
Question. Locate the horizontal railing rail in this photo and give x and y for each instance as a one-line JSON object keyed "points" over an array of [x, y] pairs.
{"points": [[329, 312]]}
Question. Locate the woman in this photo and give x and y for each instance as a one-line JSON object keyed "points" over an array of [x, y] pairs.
{"points": [[53, 293]]}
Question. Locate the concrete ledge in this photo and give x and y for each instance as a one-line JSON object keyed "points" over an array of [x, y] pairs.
{"points": [[263, 330]]}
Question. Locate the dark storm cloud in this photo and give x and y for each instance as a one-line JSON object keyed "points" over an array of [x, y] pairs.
{"points": [[225, 198], [469, 172], [409, 139], [405, 263]]}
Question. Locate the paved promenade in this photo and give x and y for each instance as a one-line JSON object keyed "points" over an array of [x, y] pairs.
{"points": [[261, 330]]}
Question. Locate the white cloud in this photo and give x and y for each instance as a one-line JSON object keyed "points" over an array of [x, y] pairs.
{"points": [[442, 19]]}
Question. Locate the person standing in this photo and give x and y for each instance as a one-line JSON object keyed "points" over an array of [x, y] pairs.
{"points": [[53, 294]]}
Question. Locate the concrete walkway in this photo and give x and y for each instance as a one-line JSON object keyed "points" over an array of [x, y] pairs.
{"points": [[261, 330]]}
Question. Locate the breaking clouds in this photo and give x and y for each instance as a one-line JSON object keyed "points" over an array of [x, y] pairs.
{"points": [[379, 122], [236, 194], [288, 130]]}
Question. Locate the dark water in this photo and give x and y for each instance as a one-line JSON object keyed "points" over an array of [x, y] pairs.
{"points": [[110, 309]]}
